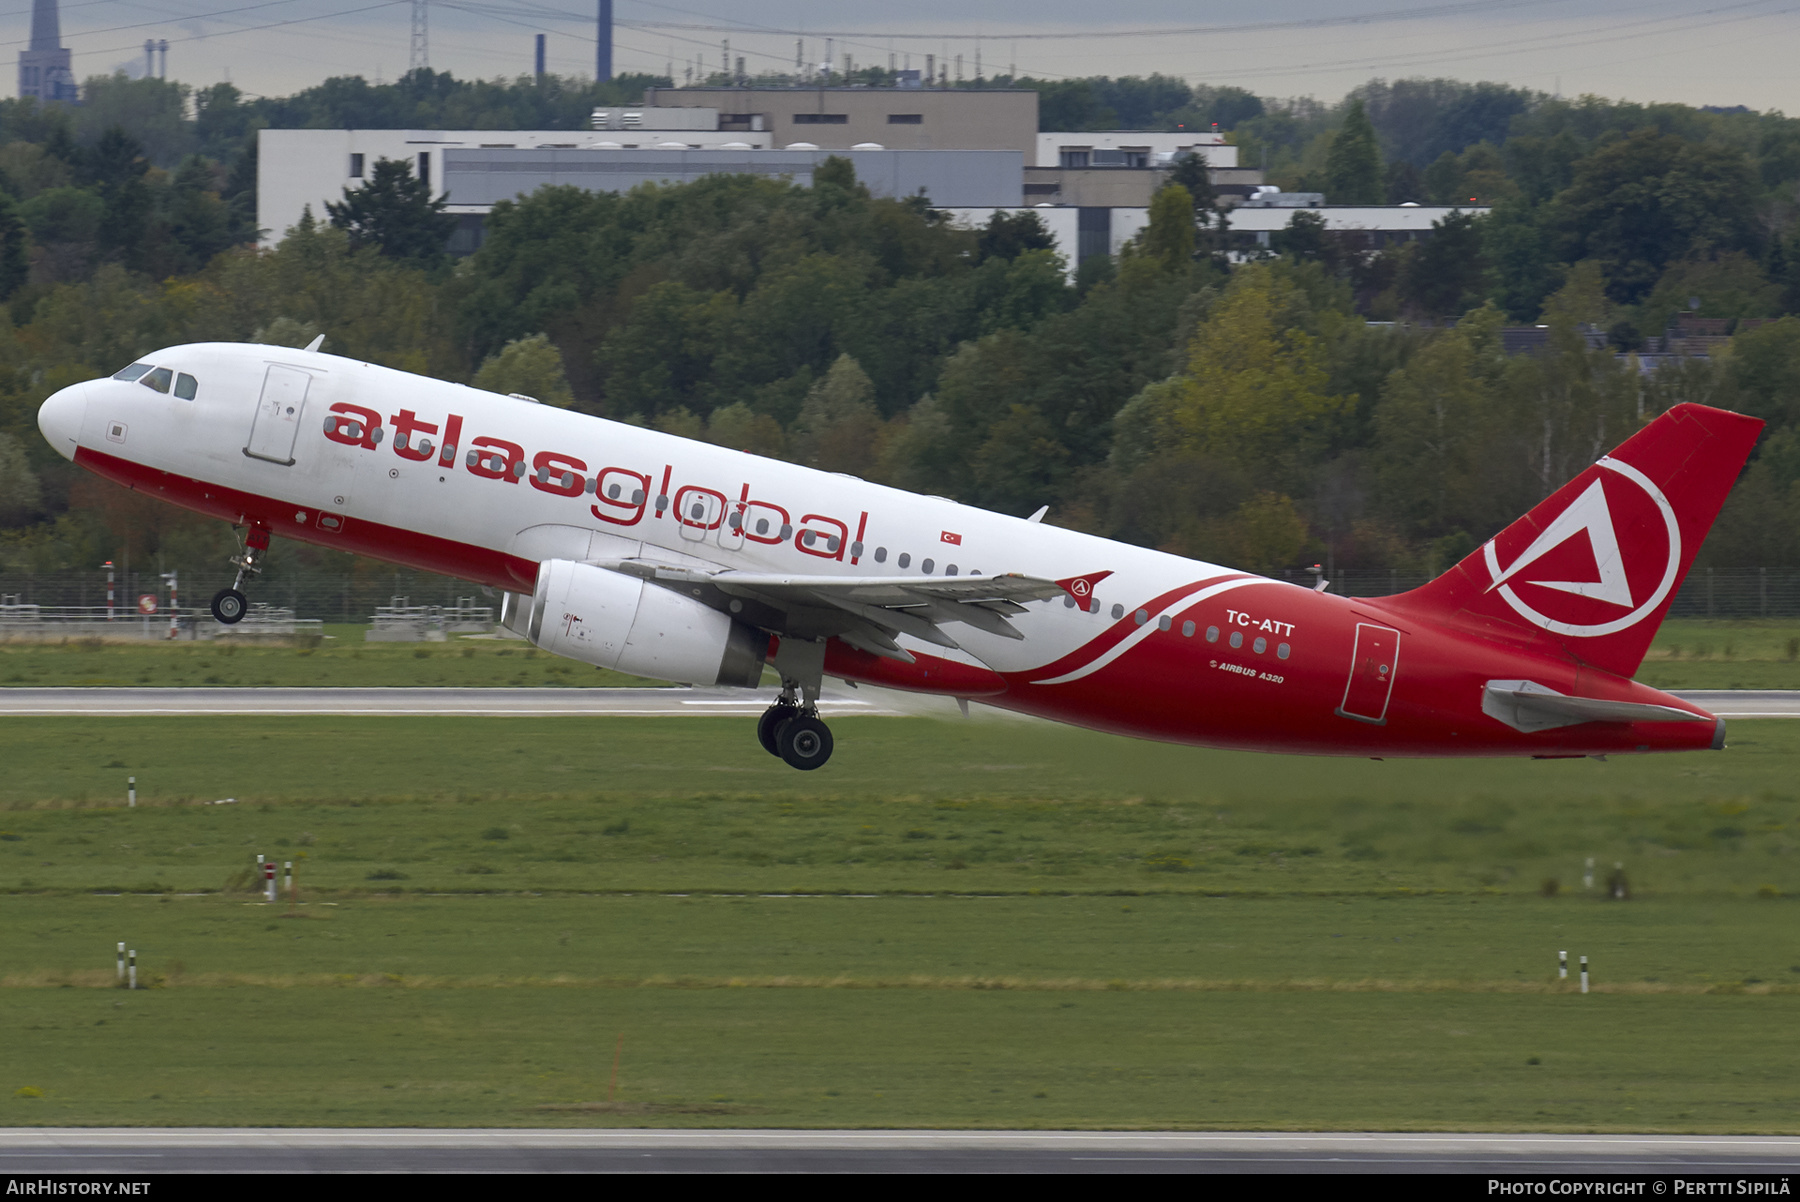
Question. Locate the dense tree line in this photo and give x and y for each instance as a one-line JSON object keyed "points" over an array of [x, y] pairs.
{"points": [[1248, 411]]}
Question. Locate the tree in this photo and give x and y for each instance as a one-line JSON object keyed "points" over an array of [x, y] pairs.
{"points": [[839, 428], [19, 494], [1190, 172], [1008, 235], [15, 267], [1168, 239], [393, 212], [1446, 274], [1253, 389], [1436, 428], [531, 367], [1353, 164], [1651, 199]]}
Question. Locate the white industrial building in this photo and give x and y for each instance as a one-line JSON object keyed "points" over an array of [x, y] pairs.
{"points": [[1131, 148], [1253, 224]]}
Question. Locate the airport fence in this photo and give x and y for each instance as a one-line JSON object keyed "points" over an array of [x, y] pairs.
{"points": [[317, 597]]}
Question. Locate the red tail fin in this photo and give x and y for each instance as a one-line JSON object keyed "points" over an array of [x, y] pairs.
{"points": [[1594, 567]]}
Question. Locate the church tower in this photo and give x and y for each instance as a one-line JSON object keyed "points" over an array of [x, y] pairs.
{"points": [[44, 68]]}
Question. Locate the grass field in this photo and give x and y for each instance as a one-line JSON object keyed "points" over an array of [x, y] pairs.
{"points": [[986, 923], [339, 659], [1687, 654]]}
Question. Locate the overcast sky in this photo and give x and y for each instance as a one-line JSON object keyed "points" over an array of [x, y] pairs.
{"points": [[1734, 52]]}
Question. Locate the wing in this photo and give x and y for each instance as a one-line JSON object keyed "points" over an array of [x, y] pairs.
{"points": [[868, 612]]}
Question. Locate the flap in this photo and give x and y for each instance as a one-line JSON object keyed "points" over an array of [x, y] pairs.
{"points": [[873, 610]]}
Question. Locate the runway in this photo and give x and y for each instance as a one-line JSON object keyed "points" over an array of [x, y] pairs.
{"points": [[493, 703], [130, 1151], [525, 703]]}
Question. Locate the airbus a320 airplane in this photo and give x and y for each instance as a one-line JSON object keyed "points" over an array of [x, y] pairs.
{"points": [[666, 558]]}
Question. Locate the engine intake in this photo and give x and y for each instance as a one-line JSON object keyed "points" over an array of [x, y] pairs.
{"points": [[617, 621]]}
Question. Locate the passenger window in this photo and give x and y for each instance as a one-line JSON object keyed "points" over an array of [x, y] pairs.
{"points": [[1118, 612], [1260, 645], [132, 372], [1187, 630], [1164, 622], [1212, 634], [186, 386], [927, 566], [880, 554], [1068, 602], [158, 379], [1237, 639], [1281, 650], [904, 560]]}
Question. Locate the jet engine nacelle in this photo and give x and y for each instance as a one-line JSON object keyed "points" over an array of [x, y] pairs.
{"points": [[618, 621]]}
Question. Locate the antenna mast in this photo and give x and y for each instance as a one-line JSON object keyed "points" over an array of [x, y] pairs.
{"points": [[421, 37]]}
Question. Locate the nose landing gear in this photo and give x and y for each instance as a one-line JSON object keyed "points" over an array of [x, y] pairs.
{"points": [[229, 604]]}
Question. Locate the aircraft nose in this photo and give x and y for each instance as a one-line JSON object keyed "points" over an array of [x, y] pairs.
{"points": [[61, 417]]}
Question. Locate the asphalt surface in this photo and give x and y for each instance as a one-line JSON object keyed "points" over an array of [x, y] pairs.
{"points": [[129, 1151], [498, 703], [104, 702]]}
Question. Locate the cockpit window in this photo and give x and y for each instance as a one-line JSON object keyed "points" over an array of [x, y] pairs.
{"points": [[186, 386], [158, 378], [133, 372]]}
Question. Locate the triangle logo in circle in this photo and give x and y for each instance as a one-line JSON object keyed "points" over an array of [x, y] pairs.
{"points": [[1589, 513]]}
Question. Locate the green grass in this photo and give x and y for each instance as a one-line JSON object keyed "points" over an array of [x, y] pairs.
{"points": [[1696, 653], [340, 660], [1687, 654], [908, 804], [1004, 924]]}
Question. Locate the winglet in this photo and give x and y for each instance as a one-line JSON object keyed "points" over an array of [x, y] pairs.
{"points": [[1081, 588], [316, 343]]}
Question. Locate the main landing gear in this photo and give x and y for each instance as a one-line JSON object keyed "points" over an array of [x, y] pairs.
{"points": [[791, 727], [230, 604], [794, 733]]}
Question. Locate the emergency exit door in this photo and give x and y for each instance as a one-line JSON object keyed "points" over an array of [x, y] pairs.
{"points": [[278, 414], [1372, 668]]}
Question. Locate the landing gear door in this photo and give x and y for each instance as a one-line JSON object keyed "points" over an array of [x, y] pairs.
{"points": [[1372, 668], [278, 414]]}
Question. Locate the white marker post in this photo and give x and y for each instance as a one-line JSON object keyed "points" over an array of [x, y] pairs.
{"points": [[131, 792], [269, 879], [1584, 974], [133, 981], [288, 884], [1562, 965], [1587, 880], [121, 963]]}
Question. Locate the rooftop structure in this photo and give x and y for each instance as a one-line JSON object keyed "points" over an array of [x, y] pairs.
{"points": [[1374, 226], [897, 118], [44, 67]]}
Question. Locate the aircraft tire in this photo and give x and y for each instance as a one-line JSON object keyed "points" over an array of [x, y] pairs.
{"points": [[805, 742], [228, 606], [768, 727]]}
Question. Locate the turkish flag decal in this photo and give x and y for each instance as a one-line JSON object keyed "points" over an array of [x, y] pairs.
{"points": [[954, 540]]}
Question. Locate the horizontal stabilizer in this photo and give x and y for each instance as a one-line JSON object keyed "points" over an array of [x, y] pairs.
{"points": [[1528, 706]]}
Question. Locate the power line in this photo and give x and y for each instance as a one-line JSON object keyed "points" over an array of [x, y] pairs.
{"points": [[1397, 14]]}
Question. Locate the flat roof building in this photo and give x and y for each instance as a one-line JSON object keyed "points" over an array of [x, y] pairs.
{"points": [[895, 118], [474, 170]]}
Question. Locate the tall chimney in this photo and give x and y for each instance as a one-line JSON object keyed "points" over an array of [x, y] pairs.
{"points": [[540, 57], [603, 67]]}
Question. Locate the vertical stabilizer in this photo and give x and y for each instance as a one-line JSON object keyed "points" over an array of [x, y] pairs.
{"points": [[1592, 569]]}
